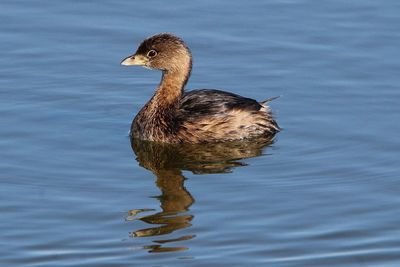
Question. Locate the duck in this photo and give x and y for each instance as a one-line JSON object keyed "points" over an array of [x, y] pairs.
{"points": [[174, 115]]}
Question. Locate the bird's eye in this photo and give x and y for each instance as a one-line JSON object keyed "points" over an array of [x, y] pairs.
{"points": [[152, 53]]}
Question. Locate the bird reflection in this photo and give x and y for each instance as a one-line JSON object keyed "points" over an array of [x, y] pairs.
{"points": [[166, 162]]}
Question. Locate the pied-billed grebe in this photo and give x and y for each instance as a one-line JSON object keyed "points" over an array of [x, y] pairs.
{"points": [[198, 116]]}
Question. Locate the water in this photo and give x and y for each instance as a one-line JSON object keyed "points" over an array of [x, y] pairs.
{"points": [[325, 193]]}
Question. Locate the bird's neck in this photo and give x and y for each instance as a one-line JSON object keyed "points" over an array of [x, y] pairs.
{"points": [[171, 87]]}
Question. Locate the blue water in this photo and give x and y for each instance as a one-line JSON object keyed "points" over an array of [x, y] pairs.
{"points": [[325, 193]]}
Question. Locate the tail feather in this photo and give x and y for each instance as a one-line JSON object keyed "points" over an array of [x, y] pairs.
{"points": [[273, 124], [269, 100]]}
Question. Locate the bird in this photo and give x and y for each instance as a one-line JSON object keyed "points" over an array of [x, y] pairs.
{"points": [[174, 115]]}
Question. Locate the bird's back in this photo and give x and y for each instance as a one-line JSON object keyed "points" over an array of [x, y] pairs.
{"points": [[212, 115]]}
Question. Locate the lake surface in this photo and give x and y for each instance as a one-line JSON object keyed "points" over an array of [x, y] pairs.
{"points": [[75, 191]]}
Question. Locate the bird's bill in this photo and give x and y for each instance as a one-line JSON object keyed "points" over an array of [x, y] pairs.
{"points": [[134, 60]]}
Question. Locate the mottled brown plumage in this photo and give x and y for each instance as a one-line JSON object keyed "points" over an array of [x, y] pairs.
{"points": [[198, 116]]}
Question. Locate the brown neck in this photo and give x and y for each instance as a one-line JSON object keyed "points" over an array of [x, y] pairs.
{"points": [[171, 87]]}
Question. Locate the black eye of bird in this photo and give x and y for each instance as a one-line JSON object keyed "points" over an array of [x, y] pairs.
{"points": [[152, 53]]}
